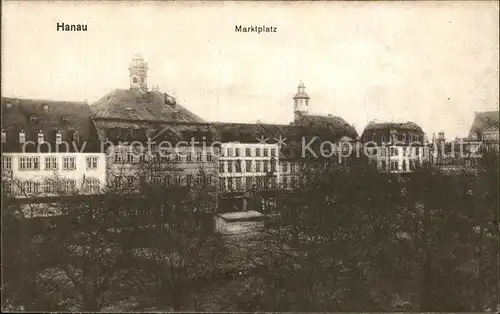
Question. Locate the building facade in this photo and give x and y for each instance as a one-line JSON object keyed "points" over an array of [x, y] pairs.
{"points": [[49, 148], [395, 147]]}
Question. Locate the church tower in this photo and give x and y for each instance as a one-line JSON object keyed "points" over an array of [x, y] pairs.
{"points": [[301, 102], [138, 70]]}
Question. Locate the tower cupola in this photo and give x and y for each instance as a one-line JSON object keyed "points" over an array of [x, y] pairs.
{"points": [[138, 70], [301, 102]]}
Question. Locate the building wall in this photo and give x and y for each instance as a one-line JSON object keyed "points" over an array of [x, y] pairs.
{"points": [[177, 168], [263, 160], [14, 176], [397, 159]]}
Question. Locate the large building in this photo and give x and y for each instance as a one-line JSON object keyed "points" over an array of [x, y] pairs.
{"points": [[136, 136], [237, 156], [49, 148], [395, 147]]}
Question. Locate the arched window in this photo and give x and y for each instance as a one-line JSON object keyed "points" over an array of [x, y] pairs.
{"points": [[134, 80]]}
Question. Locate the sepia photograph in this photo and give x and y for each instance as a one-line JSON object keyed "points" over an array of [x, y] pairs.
{"points": [[250, 156]]}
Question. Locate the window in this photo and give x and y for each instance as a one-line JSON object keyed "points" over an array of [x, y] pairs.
{"points": [[383, 165], [33, 119], [221, 167], [417, 151], [45, 108], [248, 182], [29, 163], [273, 166], [209, 179], [257, 152], [91, 185], [189, 180], [404, 165], [118, 157], [22, 137], [58, 138], [266, 152], [142, 158], [6, 163], [91, 163], [284, 167], [51, 163], [50, 187], [178, 158], [248, 152], [238, 166], [285, 182], [230, 166], [257, 165], [199, 156], [69, 163], [229, 152], [266, 166], [69, 186], [4, 137], [273, 152], [209, 156], [248, 166], [130, 157], [222, 183], [199, 180], [238, 184], [230, 183], [177, 180], [237, 152], [394, 165], [394, 151], [134, 80], [189, 157], [30, 187]]}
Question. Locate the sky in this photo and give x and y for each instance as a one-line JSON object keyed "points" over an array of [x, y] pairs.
{"points": [[433, 63]]}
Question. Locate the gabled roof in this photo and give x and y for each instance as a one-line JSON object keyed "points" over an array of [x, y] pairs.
{"points": [[484, 120], [49, 116], [130, 104]]}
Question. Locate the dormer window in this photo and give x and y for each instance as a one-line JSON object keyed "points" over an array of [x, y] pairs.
{"points": [[4, 137], [45, 108], [22, 137], [40, 137], [33, 119], [58, 137]]}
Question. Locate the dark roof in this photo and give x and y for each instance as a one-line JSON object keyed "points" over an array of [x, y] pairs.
{"points": [[128, 104], [31, 116], [407, 126], [484, 120]]}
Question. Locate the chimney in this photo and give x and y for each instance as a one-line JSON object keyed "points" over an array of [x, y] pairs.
{"points": [[155, 88]]}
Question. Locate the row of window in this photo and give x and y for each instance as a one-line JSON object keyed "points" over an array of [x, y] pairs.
{"points": [[401, 137], [50, 163], [187, 180], [246, 183], [41, 137], [394, 165], [394, 151], [250, 166], [66, 186], [131, 157], [249, 152]]}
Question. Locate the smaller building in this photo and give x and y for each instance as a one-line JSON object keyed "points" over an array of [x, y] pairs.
{"points": [[49, 148], [395, 147], [242, 222]]}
